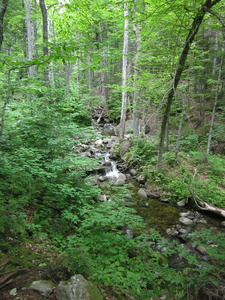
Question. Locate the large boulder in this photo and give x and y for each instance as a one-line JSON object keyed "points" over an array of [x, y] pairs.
{"points": [[77, 288]]}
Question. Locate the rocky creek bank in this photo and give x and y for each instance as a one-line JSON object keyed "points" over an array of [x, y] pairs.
{"points": [[178, 220]]}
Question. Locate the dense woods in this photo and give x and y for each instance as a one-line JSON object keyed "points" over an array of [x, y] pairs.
{"points": [[69, 68]]}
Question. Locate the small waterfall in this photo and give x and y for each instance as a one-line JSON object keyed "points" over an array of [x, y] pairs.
{"points": [[111, 172]]}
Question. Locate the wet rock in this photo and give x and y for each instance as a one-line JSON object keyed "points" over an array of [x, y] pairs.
{"points": [[44, 287], [142, 193], [121, 179], [78, 288], [186, 221], [102, 178]]}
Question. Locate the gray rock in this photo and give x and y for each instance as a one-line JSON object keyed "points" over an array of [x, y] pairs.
{"points": [[223, 224], [185, 214], [182, 202], [202, 221], [44, 287], [121, 179], [133, 172], [102, 178], [182, 231], [77, 288], [172, 232], [185, 221], [101, 198], [141, 179], [142, 193], [201, 250]]}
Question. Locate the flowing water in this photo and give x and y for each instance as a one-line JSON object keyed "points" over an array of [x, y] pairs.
{"points": [[157, 214]]}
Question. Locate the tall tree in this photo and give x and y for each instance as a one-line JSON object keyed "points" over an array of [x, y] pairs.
{"points": [[136, 93], [124, 71], [3, 7], [49, 80], [208, 4], [29, 36]]}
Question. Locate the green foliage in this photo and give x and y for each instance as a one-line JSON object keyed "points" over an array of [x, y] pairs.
{"points": [[39, 171], [208, 191], [114, 104], [76, 109], [177, 187], [189, 143], [142, 151], [138, 267]]}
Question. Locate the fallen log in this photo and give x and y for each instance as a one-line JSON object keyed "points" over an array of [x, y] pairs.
{"points": [[202, 205]]}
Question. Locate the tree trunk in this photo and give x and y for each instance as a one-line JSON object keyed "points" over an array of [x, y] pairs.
{"points": [[30, 39], [124, 72], [218, 88], [3, 7], [184, 99], [136, 94], [179, 70], [49, 79]]}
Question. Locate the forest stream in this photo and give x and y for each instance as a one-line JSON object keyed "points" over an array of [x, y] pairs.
{"points": [[171, 221]]}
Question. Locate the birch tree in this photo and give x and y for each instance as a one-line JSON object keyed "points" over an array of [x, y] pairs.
{"points": [[124, 71], [30, 42], [136, 94]]}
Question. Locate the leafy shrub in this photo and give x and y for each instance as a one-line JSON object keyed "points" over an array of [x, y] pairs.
{"points": [[142, 151], [177, 188], [189, 143]]}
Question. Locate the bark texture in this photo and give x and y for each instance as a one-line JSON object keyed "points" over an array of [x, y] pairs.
{"points": [[3, 7]]}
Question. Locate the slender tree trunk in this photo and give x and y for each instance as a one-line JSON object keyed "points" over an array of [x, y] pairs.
{"points": [[184, 100], [179, 70], [124, 71], [218, 88], [3, 7], [215, 58], [68, 73], [7, 98], [49, 78], [136, 94], [30, 39]]}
